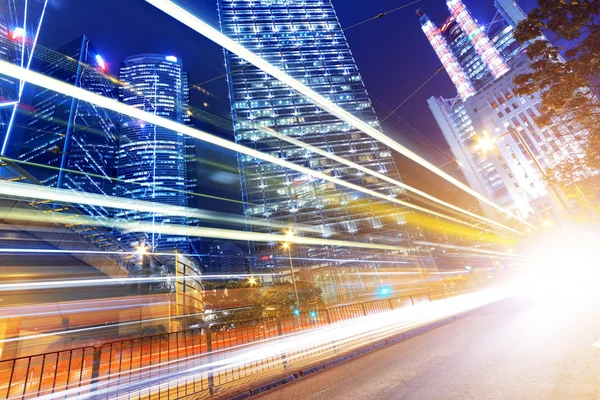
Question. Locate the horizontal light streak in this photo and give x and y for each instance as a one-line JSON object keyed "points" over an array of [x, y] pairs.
{"points": [[182, 230], [79, 311], [337, 337], [50, 251], [52, 284], [39, 192], [119, 324], [382, 177], [103, 177], [193, 22], [450, 246], [216, 233], [348, 260], [84, 95]]}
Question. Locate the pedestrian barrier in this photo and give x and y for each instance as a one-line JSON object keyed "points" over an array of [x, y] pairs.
{"points": [[117, 368]]}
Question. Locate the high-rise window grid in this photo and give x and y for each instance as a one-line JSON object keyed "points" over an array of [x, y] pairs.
{"points": [[151, 162], [305, 40]]}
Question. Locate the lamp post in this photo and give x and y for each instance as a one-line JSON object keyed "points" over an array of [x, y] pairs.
{"points": [[142, 250], [144, 284], [288, 247]]}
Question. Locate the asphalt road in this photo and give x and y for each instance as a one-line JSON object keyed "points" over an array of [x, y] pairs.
{"points": [[516, 349]]}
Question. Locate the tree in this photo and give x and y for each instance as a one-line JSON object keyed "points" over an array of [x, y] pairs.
{"points": [[243, 301], [570, 86]]}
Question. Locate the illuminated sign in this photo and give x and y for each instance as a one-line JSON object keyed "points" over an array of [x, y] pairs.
{"points": [[171, 58]]}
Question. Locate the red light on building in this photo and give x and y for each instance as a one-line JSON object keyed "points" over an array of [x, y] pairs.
{"points": [[17, 33]]}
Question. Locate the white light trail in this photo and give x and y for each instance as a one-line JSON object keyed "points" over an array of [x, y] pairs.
{"points": [[51, 284], [198, 231], [214, 233], [40, 192], [50, 251], [380, 176], [217, 233], [79, 311], [22, 83], [95, 328], [193, 22], [348, 260], [76, 92], [450, 246], [325, 341]]}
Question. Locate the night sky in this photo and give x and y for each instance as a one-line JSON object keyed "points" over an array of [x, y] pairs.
{"points": [[392, 54]]}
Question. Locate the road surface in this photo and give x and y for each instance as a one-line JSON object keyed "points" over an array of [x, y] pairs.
{"points": [[516, 349]]}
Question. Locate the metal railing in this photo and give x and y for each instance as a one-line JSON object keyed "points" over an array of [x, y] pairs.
{"points": [[121, 364]]}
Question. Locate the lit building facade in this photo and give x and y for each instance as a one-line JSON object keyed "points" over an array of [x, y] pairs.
{"points": [[20, 24], [305, 40], [226, 259], [492, 132], [78, 139], [151, 161], [9, 87]]}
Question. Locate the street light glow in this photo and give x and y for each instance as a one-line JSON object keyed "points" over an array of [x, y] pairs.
{"points": [[485, 143], [142, 249], [17, 33]]}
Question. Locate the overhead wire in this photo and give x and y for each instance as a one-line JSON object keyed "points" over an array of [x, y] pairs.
{"points": [[378, 16], [193, 22], [61, 87], [412, 94], [145, 184], [381, 176], [381, 15], [18, 189]]}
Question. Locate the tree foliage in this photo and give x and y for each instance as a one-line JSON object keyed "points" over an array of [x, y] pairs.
{"points": [[255, 301], [569, 86]]}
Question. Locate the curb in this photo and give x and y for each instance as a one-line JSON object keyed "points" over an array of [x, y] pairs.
{"points": [[357, 353]]}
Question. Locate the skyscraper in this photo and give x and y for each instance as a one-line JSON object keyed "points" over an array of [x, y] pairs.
{"points": [[20, 24], [226, 258], [305, 40], [151, 162], [9, 87], [490, 129], [78, 139]]}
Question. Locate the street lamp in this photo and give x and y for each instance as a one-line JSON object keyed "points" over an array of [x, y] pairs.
{"points": [[142, 250], [485, 143], [287, 246]]}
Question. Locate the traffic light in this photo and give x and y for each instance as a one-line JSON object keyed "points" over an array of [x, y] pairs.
{"points": [[385, 291]]}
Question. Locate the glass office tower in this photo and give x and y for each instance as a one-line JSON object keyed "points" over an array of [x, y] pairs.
{"points": [[151, 162], [305, 39], [20, 23], [77, 138]]}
